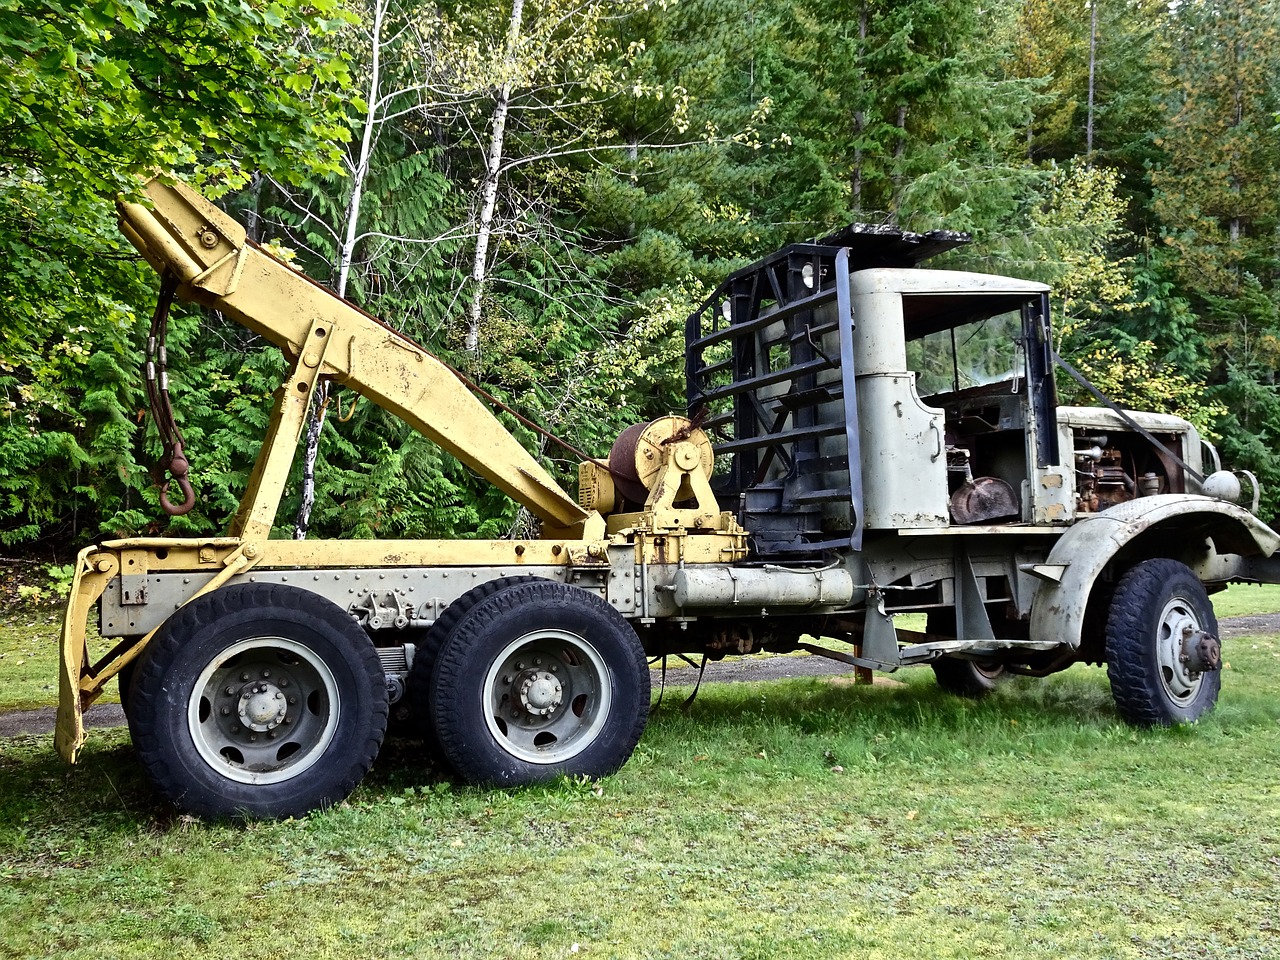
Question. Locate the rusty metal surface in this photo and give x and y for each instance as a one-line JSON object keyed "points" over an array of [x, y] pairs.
{"points": [[982, 500]]}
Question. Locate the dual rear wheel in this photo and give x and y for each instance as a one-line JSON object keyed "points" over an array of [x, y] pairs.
{"points": [[263, 700], [526, 679]]}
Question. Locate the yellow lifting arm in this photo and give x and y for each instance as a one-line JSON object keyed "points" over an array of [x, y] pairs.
{"points": [[220, 268]]}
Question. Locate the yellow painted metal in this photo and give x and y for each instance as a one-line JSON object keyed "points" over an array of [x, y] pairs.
{"points": [[79, 685], [324, 336], [183, 555], [210, 255], [207, 554], [270, 473], [94, 570]]}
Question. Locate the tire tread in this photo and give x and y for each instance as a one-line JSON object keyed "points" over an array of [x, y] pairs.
{"points": [[166, 649], [454, 726], [1138, 695]]}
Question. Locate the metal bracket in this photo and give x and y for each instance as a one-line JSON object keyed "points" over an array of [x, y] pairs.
{"points": [[381, 609], [972, 622]]}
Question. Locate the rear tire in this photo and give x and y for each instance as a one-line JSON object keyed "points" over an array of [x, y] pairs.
{"points": [[258, 700], [1157, 603], [537, 680], [968, 678], [426, 654], [957, 676], [124, 681]]}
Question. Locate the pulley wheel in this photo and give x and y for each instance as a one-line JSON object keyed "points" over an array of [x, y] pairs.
{"points": [[635, 459]]}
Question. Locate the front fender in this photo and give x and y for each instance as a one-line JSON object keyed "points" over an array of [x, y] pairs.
{"points": [[1204, 533]]}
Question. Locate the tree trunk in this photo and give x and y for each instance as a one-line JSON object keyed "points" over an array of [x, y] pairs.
{"points": [[489, 189], [899, 150], [859, 120], [1093, 64], [346, 253]]}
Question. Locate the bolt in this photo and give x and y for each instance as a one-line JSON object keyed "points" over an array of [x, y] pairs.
{"points": [[235, 728], [515, 714], [265, 674], [288, 719], [284, 682], [554, 668], [279, 695], [519, 665], [293, 699], [253, 738], [506, 678], [271, 734], [226, 711], [230, 691], [244, 677], [537, 661]]}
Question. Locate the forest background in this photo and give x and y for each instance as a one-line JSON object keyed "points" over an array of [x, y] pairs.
{"points": [[540, 193]]}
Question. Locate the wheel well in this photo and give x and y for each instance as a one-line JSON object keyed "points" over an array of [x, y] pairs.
{"points": [[1189, 539]]}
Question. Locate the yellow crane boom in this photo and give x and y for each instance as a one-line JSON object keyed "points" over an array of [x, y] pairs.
{"points": [[219, 267]]}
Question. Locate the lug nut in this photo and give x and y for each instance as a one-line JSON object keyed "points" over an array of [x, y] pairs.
{"points": [[519, 665], [226, 711], [265, 674], [537, 661], [235, 728], [244, 677], [230, 691], [293, 699], [253, 738]]}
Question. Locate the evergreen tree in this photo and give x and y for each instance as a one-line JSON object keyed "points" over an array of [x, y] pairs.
{"points": [[1218, 198]]}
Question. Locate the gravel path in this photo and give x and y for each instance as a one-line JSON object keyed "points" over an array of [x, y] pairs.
{"points": [[39, 722]]}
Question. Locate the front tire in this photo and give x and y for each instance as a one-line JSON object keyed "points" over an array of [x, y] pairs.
{"points": [[537, 680], [258, 700], [1159, 609]]}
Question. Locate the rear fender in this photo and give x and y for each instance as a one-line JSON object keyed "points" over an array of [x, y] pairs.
{"points": [[1210, 536]]}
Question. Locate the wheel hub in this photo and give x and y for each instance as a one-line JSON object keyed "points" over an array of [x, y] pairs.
{"points": [[262, 706], [539, 692], [1201, 651], [1183, 650]]}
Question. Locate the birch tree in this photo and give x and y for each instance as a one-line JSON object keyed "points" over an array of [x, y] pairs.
{"points": [[413, 70]]}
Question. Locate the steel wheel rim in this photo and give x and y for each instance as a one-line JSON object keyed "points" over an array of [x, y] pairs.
{"points": [[547, 696], [1177, 621], [264, 710], [988, 670]]}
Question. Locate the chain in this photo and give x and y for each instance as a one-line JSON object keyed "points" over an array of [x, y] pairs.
{"points": [[172, 461]]}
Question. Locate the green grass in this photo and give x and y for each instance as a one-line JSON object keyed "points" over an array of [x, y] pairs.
{"points": [[1247, 599], [29, 662], [795, 819]]}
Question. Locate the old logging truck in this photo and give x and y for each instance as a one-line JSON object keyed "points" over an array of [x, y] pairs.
{"points": [[863, 438]]}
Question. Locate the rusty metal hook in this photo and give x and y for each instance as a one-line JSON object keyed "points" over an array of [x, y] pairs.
{"points": [[178, 468], [189, 497]]}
